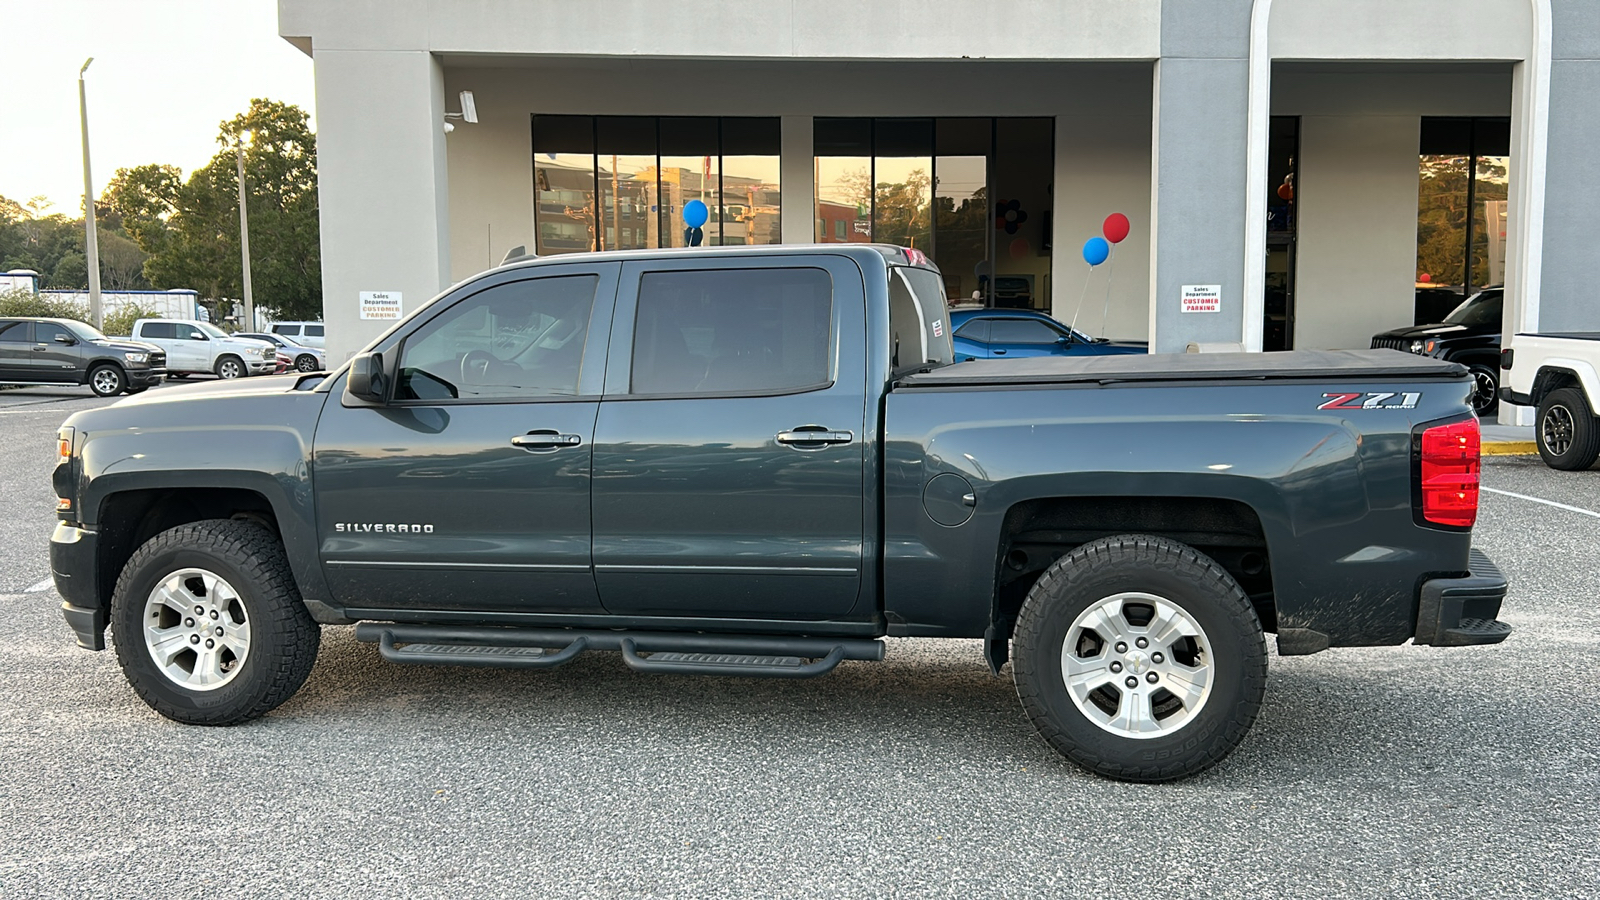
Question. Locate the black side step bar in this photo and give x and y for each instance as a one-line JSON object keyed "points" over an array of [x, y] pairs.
{"points": [[759, 656]]}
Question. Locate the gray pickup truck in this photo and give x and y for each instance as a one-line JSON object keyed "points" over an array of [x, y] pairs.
{"points": [[762, 461]]}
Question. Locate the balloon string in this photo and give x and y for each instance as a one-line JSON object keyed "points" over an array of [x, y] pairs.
{"points": [[1081, 294], [1111, 274]]}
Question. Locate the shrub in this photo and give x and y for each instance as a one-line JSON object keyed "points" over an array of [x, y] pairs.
{"points": [[119, 322], [23, 302]]}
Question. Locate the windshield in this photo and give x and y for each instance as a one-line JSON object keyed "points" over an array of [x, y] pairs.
{"points": [[1482, 308], [85, 331], [212, 331]]}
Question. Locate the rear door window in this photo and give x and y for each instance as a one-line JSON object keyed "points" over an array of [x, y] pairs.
{"points": [[290, 330], [16, 332], [733, 331], [313, 331]]}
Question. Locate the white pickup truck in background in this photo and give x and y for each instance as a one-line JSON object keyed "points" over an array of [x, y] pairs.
{"points": [[195, 347], [1559, 375]]}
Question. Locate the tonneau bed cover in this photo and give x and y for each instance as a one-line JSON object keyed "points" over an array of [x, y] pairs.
{"points": [[1326, 365]]}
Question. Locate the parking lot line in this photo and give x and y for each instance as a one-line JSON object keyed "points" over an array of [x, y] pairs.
{"points": [[44, 585], [1576, 509]]}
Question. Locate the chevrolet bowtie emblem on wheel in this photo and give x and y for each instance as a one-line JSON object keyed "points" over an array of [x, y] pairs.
{"points": [[381, 528]]}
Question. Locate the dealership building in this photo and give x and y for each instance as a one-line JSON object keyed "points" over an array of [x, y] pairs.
{"points": [[1296, 173]]}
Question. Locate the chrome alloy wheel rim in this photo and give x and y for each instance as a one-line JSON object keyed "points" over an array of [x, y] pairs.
{"points": [[1484, 390], [230, 369], [196, 629], [1556, 429], [106, 381], [306, 364], [1137, 665]]}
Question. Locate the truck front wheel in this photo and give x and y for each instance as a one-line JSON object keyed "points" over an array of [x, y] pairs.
{"points": [[1140, 659], [209, 626], [230, 367]]}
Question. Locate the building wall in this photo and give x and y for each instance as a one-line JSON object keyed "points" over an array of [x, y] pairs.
{"points": [[1571, 252], [1102, 164], [1405, 30], [817, 29], [1357, 253]]}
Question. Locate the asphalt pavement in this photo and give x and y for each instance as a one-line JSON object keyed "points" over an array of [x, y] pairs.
{"points": [[1393, 772]]}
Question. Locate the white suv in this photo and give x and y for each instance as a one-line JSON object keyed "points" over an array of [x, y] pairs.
{"points": [[195, 347], [308, 334]]}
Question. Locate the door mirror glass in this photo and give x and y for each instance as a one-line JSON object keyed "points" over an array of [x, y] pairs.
{"points": [[366, 381]]}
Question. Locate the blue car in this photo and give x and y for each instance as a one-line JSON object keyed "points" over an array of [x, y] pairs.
{"points": [[1010, 333]]}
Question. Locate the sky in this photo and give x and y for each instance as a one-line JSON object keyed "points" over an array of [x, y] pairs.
{"points": [[166, 73]]}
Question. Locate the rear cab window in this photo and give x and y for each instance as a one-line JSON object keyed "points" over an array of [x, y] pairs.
{"points": [[290, 330], [919, 320]]}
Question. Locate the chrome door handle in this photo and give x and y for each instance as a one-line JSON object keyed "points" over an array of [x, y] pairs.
{"points": [[545, 441], [815, 437]]}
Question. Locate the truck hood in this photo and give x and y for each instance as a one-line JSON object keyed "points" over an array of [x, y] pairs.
{"points": [[126, 345], [220, 390], [1424, 331]]}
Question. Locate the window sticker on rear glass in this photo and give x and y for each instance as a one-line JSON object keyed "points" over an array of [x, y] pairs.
{"points": [[938, 328]]}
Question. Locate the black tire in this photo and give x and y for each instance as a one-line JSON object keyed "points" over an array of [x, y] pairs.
{"points": [[1567, 432], [1094, 574], [231, 367], [305, 362], [177, 374], [1485, 390], [107, 380], [139, 390], [282, 643]]}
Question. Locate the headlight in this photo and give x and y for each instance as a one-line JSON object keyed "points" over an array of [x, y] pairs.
{"points": [[1416, 346], [134, 356]]}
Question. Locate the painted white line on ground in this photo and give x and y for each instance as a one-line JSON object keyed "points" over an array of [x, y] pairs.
{"points": [[1576, 509], [44, 585]]}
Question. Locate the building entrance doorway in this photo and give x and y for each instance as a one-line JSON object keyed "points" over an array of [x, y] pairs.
{"points": [[972, 193]]}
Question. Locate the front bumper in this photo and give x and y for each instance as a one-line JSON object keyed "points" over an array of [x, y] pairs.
{"points": [[72, 565], [146, 377], [262, 366], [1460, 612]]}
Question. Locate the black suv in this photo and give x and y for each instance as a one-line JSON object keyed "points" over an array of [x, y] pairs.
{"points": [[1469, 335], [63, 351]]}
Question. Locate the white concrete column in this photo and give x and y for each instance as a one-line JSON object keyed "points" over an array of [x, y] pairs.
{"points": [[382, 186], [797, 175]]}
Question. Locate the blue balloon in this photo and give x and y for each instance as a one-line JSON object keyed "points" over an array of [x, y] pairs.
{"points": [[1096, 250], [695, 214]]}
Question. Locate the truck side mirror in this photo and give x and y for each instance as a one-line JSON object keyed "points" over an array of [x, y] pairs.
{"points": [[366, 380], [64, 339]]}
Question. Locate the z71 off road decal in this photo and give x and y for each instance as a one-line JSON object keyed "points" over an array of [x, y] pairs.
{"points": [[1374, 400]]}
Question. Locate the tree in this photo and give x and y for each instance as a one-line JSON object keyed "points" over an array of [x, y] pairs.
{"points": [[190, 229]]}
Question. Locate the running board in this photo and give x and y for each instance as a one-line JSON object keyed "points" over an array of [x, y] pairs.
{"points": [[749, 656]]}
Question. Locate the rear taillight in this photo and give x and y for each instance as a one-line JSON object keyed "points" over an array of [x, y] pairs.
{"points": [[1450, 465]]}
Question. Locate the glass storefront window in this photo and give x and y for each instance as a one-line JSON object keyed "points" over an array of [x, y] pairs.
{"points": [[621, 182], [1461, 211]]}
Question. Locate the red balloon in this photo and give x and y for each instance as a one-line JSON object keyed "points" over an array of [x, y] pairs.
{"points": [[1424, 278], [1115, 227], [1019, 248], [1286, 191]]}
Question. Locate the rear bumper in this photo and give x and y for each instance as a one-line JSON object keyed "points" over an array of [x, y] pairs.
{"points": [[1507, 395], [1460, 612], [72, 565]]}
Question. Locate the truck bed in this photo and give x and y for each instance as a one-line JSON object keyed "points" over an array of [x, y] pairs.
{"points": [[1328, 365]]}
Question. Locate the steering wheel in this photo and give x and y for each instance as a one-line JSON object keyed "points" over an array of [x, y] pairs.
{"points": [[475, 366]]}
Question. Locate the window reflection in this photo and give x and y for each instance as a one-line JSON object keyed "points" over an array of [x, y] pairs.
{"points": [[1461, 211], [902, 211], [621, 182], [844, 199]]}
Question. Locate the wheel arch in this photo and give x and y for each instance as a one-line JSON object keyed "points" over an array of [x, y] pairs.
{"points": [[1038, 531], [1556, 374]]}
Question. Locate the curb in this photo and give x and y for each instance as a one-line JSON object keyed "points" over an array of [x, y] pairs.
{"points": [[1509, 448]]}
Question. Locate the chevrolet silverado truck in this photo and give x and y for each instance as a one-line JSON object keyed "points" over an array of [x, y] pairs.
{"points": [[763, 461], [1558, 375]]}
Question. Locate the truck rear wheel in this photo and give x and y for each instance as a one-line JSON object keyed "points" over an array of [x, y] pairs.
{"points": [[1140, 659], [209, 626], [1568, 435]]}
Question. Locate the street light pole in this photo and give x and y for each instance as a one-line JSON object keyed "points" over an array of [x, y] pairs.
{"points": [[244, 247], [90, 244]]}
